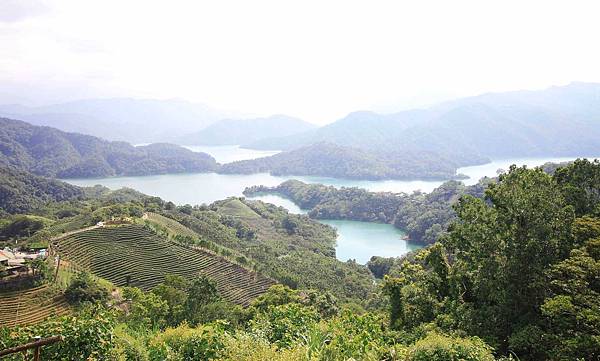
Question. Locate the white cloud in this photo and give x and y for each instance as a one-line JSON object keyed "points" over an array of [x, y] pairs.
{"points": [[314, 59]]}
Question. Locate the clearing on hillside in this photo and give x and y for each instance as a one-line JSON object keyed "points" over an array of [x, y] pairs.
{"points": [[30, 306], [135, 254]]}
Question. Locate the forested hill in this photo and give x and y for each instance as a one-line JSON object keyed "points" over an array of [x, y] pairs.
{"points": [[331, 160], [50, 152], [243, 131], [21, 192], [559, 121]]}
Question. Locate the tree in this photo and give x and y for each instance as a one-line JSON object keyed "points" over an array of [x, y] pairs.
{"points": [[572, 313], [174, 291], [84, 288], [580, 184], [201, 292], [147, 310], [502, 248]]}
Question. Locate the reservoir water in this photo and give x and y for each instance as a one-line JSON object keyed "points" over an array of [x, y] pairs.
{"points": [[361, 240], [356, 240]]}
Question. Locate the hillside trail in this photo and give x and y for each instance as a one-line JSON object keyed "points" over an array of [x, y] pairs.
{"points": [[63, 235]]}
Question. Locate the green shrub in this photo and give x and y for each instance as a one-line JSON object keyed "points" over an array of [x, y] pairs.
{"points": [[349, 336], [285, 324], [129, 347], [87, 336], [189, 344], [250, 347], [84, 288], [436, 347]]}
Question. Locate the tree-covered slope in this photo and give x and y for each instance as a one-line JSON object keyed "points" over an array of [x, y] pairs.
{"points": [[51, 152], [21, 192], [243, 131], [331, 160]]}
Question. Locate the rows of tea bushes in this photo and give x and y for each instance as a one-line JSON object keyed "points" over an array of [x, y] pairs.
{"points": [[133, 255], [27, 307]]}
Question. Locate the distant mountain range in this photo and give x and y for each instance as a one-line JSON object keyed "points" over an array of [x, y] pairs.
{"points": [[559, 121], [50, 152], [132, 120], [241, 131], [417, 144]]}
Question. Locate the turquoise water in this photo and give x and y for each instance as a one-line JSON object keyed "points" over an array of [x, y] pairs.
{"points": [[356, 240], [491, 169], [231, 153], [361, 240]]}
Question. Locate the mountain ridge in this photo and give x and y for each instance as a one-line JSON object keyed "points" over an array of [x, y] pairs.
{"points": [[238, 131], [561, 121]]}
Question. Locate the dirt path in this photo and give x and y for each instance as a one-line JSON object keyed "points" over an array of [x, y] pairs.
{"points": [[73, 232]]}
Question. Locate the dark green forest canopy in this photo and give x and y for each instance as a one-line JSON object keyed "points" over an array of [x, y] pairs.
{"points": [[50, 152], [331, 160], [516, 274], [423, 216], [22, 192]]}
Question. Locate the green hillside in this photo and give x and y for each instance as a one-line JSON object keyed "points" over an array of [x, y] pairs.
{"points": [[134, 256], [50, 152], [331, 160]]}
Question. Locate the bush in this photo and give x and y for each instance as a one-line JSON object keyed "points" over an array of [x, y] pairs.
{"points": [[189, 344], [88, 336], [84, 288], [129, 347], [349, 337], [286, 324], [436, 347], [250, 347]]}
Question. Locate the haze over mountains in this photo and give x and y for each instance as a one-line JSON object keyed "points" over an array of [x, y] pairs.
{"points": [[559, 121], [241, 131], [417, 144], [132, 120]]}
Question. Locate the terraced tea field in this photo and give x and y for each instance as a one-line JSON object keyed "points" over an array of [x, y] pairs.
{"points": [[135, 253], [171, 225], [31, 306]]}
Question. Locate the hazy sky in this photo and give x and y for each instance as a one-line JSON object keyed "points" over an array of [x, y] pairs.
{"points": [[314, 59]]}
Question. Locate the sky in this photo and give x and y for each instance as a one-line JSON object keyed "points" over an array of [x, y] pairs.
{"points": [[317, 60]]}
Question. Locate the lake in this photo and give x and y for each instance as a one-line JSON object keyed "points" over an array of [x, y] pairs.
{"points": [[361, 240], [490, 169], [356, 240], [231, 153]]}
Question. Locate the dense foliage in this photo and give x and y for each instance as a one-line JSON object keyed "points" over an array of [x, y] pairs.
{"points": [[516, 275], [424, 216], [518, 269], [21, 192], [330, 160], [51, 152]]}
